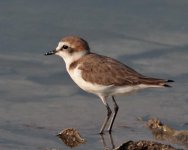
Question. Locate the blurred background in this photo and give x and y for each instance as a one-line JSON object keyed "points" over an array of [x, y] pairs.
{"points": [[37, 97]]}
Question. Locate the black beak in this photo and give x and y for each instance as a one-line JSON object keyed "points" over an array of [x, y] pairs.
{"points": [[50, 52]]}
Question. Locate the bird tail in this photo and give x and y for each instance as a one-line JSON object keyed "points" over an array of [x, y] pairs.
{"points": [[167, 81], [156, 82]]}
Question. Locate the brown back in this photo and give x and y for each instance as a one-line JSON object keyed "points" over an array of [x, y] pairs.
{"points": [[107, 71]]}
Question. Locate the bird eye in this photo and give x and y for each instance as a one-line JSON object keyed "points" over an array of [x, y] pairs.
{"points": [[65, 47]]}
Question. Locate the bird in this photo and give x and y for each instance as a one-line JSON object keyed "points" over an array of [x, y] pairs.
{"points": [[101, 75]]}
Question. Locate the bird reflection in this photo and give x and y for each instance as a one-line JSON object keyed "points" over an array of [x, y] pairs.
{"points": [[111, 145]]}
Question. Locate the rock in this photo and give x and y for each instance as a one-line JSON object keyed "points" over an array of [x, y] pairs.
{"points": [[164, 132], [144, 145], [71, 137]]}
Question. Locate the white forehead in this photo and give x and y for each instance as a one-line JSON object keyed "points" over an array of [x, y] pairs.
{"points": [[60, 45]]}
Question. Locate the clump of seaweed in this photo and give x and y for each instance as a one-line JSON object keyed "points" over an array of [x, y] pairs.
{"points": [[164, 132], [71, 137]]}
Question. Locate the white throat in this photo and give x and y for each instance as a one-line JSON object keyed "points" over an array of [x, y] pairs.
{"points": [[69, 58]]}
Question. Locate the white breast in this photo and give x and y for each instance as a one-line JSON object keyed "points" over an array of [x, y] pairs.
{"points": [[87, 86]]}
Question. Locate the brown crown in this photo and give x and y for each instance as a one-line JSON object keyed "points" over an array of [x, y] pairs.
{"points": [[76, 43]]}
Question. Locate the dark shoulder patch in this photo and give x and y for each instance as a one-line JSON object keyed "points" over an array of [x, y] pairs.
{"points": [[73, 65]]}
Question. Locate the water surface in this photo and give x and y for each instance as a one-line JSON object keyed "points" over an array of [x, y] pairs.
{"points": [[37, 97]]}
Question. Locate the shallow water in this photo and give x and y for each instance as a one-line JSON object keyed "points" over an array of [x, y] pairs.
{"points": [[38, 98]]}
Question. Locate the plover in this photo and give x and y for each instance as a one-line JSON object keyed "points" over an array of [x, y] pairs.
{"points": [[101, 75]]}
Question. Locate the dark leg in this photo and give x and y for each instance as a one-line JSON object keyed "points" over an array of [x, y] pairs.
{"points": [[109, 112], [114, 115]]}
